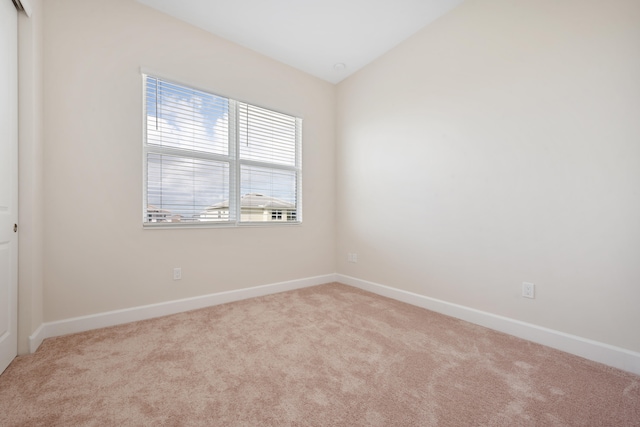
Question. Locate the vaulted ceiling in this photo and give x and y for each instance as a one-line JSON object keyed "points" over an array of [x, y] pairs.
{"points": [[329, 39]]}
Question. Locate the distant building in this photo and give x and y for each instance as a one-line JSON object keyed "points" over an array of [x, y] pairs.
{"points": [[155, 214], [253, 207]]}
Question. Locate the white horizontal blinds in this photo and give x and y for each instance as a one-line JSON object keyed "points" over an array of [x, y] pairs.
{"points": [[266, 136], [180, 189], [188, 168], [213, 159], [269, 171], [274, 182], [184, 118]]}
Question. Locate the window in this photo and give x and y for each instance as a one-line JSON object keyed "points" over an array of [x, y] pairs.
{"points": [[214, 160]]}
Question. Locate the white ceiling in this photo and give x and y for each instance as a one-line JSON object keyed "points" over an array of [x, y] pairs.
{"points": [[311, 35]]}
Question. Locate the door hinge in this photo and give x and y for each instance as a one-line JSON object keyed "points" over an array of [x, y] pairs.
{"points": [[15, 228]]}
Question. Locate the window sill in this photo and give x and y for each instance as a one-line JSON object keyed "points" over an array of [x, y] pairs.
{"points": [[185, 225]]}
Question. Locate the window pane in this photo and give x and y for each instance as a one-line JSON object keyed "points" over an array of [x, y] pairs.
{"points": [[210, 158], [268, 194], [180, 189], [180, 117], [266, 136]]}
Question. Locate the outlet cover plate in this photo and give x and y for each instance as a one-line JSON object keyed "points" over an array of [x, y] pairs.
{"points": [[528, 290]]}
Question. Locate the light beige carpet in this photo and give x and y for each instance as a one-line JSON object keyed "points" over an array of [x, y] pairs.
{"points": [[329, 355]]}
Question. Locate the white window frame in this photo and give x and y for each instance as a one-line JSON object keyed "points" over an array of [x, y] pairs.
{"points": [[233, 159]]}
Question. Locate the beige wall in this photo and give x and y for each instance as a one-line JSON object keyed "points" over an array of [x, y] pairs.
{"points": [[31, 218], [496, 146], [499, 145], [97, 256]]}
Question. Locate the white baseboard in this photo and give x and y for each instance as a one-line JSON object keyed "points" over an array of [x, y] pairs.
{"points": [[118, 317], [616, 357], [36, 338]]}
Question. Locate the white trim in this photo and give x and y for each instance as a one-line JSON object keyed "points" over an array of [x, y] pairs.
{"points": [[36, 338], [127, 315], [616, 357]]}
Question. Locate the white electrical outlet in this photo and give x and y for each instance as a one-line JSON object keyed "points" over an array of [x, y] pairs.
{"points": [[528, 290], [352, 257], [177, 273], [355, 257]]}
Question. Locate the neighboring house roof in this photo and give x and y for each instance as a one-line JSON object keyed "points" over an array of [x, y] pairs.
{"points": [[151, 209], [255, 200]]}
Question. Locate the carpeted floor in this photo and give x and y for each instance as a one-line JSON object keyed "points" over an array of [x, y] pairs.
{"points": [[328, 355]]}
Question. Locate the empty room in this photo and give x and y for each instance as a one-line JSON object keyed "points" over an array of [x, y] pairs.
{"points": [[320, 213]]}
